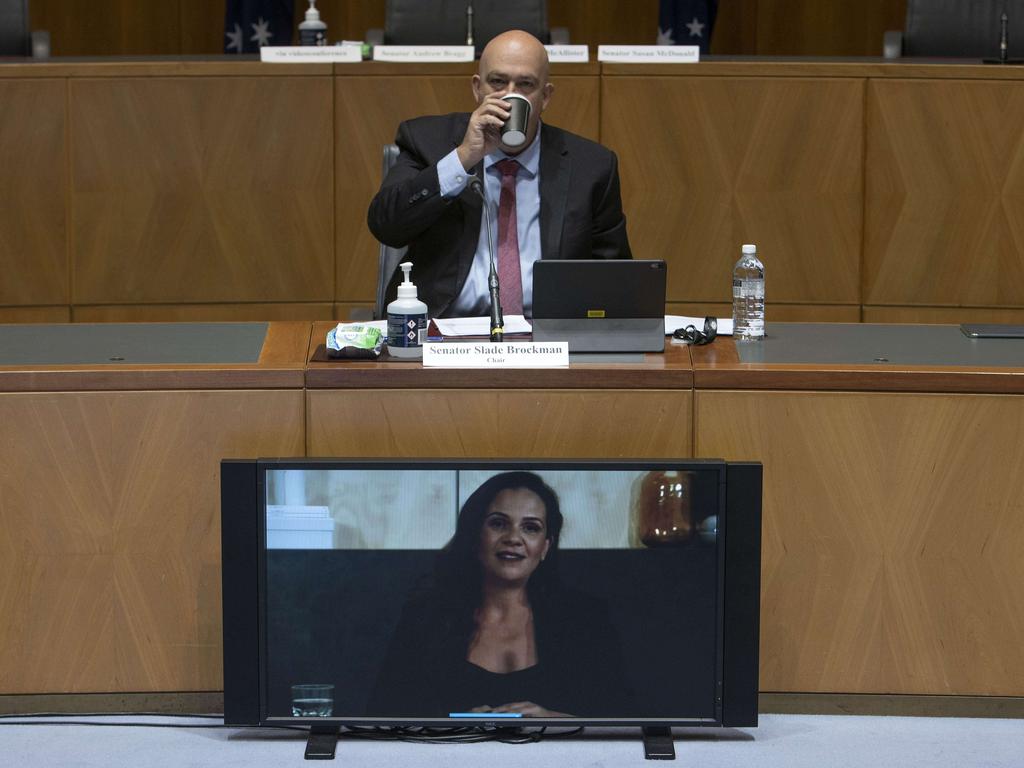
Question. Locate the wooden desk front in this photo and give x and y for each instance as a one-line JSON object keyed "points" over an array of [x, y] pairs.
{"points": [[891, 537], [110, 510]]}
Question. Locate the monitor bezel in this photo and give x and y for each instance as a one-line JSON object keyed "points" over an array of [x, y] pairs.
{"points": [[716, 465]]}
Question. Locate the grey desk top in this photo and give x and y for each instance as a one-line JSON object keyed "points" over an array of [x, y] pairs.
{"points": [[868, 343], [132, 343]]}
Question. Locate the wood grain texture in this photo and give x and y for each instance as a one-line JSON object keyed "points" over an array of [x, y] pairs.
{"points": [[708, 164], [668, 370], [764, 27], [717, 366], [499, 423], [33, 185], [830, 28], [363, 132], [164, 313], [201, 190], [112, 27], [943, 315], [110, 503], [891, 538], [783, 313], [945, 191], [35, 314]]}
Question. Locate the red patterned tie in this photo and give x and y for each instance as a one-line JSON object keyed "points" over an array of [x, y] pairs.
{"points": [[509, 274]]}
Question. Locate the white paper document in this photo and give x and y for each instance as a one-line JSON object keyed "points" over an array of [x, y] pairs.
{"points": [[672, 322], [481, 326]]}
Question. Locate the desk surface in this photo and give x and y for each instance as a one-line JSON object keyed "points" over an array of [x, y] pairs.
{"points": [[841, 356], [137, 356], [669, 370]]}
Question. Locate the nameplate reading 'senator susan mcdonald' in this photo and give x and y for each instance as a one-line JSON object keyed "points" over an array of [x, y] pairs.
{"points": [[489, 354], [649, 54]]}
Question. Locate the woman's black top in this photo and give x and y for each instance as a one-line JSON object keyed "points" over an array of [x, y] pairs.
{"points": [[579, 670]]}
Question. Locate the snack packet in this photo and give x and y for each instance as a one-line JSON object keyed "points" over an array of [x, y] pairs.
{"points": [[354, 341]]}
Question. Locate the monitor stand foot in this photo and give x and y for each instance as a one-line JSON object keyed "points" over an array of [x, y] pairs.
{"points": [[322, 742], [658, 743]]}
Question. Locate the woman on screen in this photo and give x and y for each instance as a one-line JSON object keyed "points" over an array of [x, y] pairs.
{"points": [[495, 632]]}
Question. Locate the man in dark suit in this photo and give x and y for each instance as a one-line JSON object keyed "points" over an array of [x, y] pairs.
{"points": [[556, 196]]}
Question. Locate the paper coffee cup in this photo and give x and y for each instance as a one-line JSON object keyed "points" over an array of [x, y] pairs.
{"points": [[513, 133]]}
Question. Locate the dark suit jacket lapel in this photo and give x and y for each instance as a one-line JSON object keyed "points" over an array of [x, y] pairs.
{"points": [[554, 190]]}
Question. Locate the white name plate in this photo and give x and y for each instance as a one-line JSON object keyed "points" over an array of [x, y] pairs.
{"points": [[649, 54], [562, 54], [305, 54], [503, 354], [421, 53]]}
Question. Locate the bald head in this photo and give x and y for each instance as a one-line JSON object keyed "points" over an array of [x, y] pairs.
{"points": [[515, 62], [516, 47]]}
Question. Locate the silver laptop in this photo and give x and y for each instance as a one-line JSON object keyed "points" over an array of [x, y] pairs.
{"points": [[600, 305]]}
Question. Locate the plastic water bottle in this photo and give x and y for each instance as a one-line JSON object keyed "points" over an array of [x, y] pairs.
{"points": [[748, 296]]}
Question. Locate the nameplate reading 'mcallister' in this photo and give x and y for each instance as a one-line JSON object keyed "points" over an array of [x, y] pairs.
{"points": [[489, 354]]}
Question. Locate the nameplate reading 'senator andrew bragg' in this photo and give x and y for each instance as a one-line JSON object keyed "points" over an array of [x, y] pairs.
{"points": [[490, 354]]}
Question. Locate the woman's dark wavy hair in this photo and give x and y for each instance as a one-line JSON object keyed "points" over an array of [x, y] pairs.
{"points": [[457, 572]]}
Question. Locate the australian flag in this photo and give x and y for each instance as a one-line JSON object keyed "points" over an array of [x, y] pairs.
{"points": [[686, 22], [251, 24]]}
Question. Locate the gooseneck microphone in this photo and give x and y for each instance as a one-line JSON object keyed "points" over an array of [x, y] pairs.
{"points": [[1004, 39], [497, 322]]}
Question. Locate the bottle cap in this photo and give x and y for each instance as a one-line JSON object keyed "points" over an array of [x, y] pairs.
{"points": [[312, 14], [749, 248], [406, 289]]}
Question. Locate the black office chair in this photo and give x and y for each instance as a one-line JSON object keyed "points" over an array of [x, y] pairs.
{"points": [[956, 29], [389, 258], [443, 22]]}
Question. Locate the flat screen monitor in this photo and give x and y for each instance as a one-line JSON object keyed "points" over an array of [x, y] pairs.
{"points": [[455, 593]]}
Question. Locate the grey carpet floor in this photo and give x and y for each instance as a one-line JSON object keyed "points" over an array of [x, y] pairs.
{"points": [[790, 741]]}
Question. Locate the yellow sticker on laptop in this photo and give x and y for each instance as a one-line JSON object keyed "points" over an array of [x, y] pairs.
{"points": [[595, 313]]}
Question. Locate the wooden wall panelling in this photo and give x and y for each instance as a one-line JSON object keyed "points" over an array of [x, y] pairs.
{"points": [[360, 133], [110, 506], [948, 315], [710, 163], [499, 423], [213, 189], [33, 186], [735, 31], [196, 27], [891, 538], [202, 27], [611, 22], [111, 27], [163, 313], [825, 27], [781, 313], [56, 314], [945, 191]]}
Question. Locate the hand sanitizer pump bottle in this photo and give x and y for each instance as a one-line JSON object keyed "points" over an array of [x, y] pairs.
{"points": [[312, 31], [407, 320]]}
